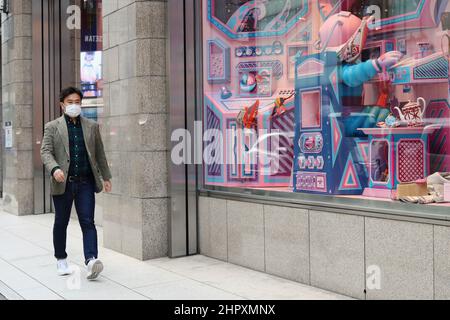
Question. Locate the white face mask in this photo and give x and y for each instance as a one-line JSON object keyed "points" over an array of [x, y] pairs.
{"points": [[73, 110]]}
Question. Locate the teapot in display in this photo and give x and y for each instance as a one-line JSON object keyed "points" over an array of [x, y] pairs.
{"points": [[413, 112]]}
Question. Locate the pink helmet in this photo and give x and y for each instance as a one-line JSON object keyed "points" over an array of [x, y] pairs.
{"points": [[338, 29], [344, 30]]}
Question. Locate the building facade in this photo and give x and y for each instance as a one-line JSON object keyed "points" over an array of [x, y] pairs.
{"points": [[48, 45], [269, 134]]}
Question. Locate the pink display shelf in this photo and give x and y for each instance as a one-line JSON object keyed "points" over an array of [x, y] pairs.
{"points": [[397, 131], [446, 204], [279, 189]]}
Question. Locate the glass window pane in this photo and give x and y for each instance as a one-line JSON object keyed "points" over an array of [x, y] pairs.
{"points": [[87, 55], [343, 98]]}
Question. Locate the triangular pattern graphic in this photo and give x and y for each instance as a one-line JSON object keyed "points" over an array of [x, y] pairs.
{"points": [[350, 179], [336, 138], [334, 83]]}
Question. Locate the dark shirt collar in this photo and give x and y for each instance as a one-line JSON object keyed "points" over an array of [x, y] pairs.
{"points": [[69, 120]]}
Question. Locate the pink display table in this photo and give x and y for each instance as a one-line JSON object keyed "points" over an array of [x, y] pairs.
{"points": [[396, 155]]}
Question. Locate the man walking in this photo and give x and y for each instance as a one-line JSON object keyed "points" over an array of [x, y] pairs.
{"points": [[72, 151]]}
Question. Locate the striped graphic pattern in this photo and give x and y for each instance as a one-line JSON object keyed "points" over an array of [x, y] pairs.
{"points": [[276, 65], [437, 69], [439, 139], [213, 122], [285, 123]]}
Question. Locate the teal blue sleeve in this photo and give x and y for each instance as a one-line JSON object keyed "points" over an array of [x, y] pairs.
{"points": [[354, 75]]}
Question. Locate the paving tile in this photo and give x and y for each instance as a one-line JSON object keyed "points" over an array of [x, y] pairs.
{"points": [[39, 294], [74, 286], [137, 274], [254, 285], [13, 247], [9, 220], [16, 279], [6, 293], [31, 232], [40, 219], [185, 290], [179, 265], [28, 267]]}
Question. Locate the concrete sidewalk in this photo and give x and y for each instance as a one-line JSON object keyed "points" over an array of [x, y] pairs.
{"points": [[28, 271]]}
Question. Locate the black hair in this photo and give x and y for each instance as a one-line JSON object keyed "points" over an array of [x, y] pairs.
{"points": [[68, 91]]}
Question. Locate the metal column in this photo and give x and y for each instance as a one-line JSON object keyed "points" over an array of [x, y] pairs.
{"points": [[181, 70], [51, 58]]}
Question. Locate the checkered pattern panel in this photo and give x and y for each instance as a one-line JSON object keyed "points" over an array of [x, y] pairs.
{"points": [[411, 160]]}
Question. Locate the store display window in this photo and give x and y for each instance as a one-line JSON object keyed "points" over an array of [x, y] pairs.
{"points": [[90, 57], [339, 98]]}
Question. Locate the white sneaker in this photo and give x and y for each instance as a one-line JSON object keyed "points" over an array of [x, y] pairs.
{"points": [[62, 267], [95, 267]]}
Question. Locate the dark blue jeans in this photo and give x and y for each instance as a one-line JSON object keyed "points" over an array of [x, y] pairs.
{"points": [[83, 194]]}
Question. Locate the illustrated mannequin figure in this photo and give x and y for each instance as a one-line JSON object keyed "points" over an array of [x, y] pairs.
{"points": [[346, 34]]}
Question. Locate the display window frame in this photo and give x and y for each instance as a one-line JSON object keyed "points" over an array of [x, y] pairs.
{"points": [[339, 204]]}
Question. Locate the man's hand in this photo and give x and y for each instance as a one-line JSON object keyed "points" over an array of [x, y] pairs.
{"points": [[59, 176], [108, 186]]}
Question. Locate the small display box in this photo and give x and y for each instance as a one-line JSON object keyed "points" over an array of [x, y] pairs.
{"points": [[256, 79], [219, 62], [396, 155]]}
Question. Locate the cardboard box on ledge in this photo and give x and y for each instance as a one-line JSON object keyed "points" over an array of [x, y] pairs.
{"points": [[412, 189]]}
